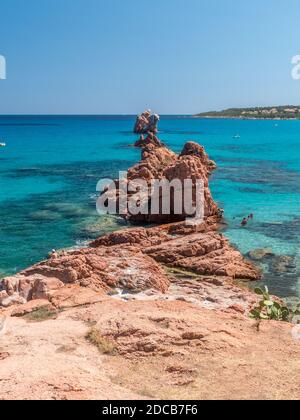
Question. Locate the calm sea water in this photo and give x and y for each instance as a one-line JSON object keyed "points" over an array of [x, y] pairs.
{"points": [[50, 167]]}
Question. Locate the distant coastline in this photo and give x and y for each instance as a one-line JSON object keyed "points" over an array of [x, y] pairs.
{"points": [[288, 112]]}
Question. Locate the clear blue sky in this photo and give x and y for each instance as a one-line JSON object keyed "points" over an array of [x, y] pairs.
{"points": [[120, 56]]}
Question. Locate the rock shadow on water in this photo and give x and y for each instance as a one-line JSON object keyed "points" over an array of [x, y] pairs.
{"points": [[67, 210], [126, 146], [181, 132], [72, 171], [44, 216], [251, 190]]}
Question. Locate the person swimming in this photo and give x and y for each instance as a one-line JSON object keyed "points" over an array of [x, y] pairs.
{"points": [[247, 219], [244, 222]]}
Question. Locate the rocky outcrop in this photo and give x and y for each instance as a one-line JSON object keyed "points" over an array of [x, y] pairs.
{"points": [[164, 297], [143, 141], [161, 164], [146, 123], [200, 249], [164, 350], [102, 270], [137, 261], [129, 262]]}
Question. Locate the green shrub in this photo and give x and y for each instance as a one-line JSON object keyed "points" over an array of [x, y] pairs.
{"points": [[40, 315], [103, 345], [267, 308]]}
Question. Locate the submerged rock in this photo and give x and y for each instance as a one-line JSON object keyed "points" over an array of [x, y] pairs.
{"points": [[277, 264], [282, 264], [260, 254]]}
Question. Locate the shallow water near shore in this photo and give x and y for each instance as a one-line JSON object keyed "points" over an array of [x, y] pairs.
{"points": [[50, 167]]}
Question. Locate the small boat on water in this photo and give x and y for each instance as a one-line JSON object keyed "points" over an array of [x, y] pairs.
{"points": [[2, 144], [237, 136]]}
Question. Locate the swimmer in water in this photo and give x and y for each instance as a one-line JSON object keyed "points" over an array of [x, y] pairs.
{"points": [[244, 222]]}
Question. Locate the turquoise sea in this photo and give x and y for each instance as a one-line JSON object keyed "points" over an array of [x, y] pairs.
{"points": [[50, 167]]}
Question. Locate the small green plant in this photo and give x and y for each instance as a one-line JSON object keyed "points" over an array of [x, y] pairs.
{"points": [[102, 344], [113, 292], [40, 315], [269, 309]]}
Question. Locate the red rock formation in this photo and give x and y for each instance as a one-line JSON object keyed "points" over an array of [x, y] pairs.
{"points": [[102, 269], [146, 123], [160, 163], [200, 250], [130, 259], [164, 350], [144, 142], [164, 296]]}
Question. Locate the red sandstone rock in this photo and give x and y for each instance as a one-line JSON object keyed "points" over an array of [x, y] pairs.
{"points": [[151, 138], [228, 357], [9, 300], [172, 328], [160, 163], [187, 333], [74, 296], [43, 286], [101, 269], [128, 259], [194, 149], [31, 306], [203, 252]]}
